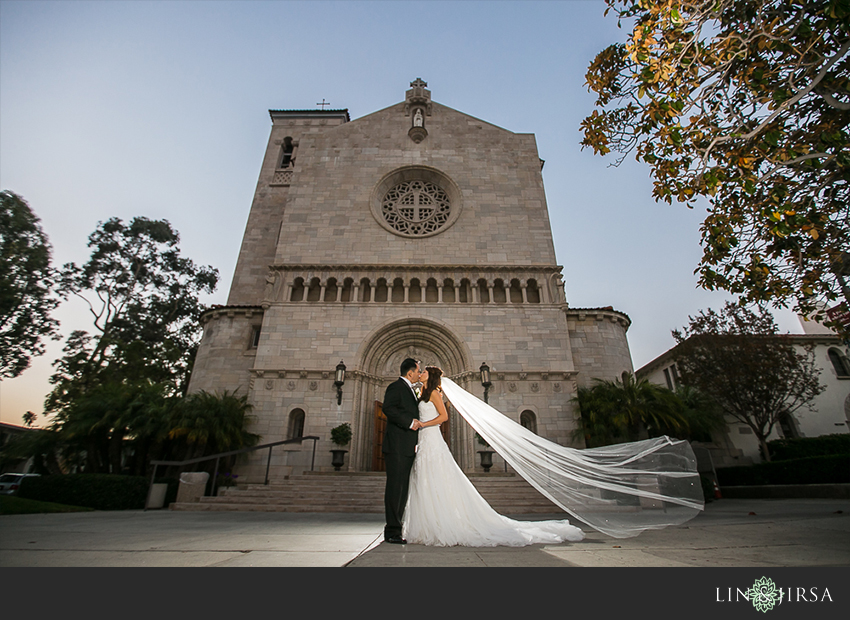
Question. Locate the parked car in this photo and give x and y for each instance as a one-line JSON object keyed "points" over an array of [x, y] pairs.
{"points": [[10, 483]]}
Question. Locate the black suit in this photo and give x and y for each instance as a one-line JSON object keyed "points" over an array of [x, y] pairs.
{"points": [[399, 449]]}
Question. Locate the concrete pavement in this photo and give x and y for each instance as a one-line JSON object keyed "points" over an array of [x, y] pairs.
{"points": [[729, 533]]}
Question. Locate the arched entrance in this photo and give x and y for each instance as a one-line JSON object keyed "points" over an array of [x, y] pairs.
{"points": [[378, 366]]}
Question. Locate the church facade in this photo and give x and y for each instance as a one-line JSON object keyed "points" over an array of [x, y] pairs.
{"points": [[415, 231]]}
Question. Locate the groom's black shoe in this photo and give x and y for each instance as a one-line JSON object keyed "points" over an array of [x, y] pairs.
{"points": [[396, 540]]}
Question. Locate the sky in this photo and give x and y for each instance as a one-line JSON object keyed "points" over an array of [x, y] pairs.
{"points": [[160, 109]]}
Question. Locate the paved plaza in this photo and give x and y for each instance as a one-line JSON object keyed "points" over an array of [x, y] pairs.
{"points": [[729, 533]]}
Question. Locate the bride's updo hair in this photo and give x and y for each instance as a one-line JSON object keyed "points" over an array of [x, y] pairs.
{"points": [[434, 375]]}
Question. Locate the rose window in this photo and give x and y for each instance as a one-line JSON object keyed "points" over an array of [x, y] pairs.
{"points": [[416, 208]]}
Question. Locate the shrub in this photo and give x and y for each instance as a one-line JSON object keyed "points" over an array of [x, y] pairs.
{"points": [[833, 469], [98, 491], [341, 435], [786, 449]]}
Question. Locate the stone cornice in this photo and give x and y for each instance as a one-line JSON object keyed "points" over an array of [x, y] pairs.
{"points": [[325, 267], [216, 312], [600, 314]]}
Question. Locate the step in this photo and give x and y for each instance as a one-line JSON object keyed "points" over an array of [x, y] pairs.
{"points": [[361, 492]]}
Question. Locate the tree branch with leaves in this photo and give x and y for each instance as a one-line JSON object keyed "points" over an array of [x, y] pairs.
{"points": [[746, 104]]}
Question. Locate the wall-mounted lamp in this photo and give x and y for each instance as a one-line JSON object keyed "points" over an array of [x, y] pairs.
{"points": [[485, 380], [339, 381]]}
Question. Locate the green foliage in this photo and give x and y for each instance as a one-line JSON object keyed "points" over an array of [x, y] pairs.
{"points": [[833, 469], [44, 446], [619, 411], [737, 358], [203, 424], [744, 104], [28, 287], [341, 435], [98, 491], [802, 447], [144, 299]]}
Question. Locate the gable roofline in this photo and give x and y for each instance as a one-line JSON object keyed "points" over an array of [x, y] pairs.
{"points": [[309, 114]]}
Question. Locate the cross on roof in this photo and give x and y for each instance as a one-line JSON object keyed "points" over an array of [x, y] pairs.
{"points": [[323, 104]]}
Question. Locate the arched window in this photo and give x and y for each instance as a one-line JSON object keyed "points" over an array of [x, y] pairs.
{"points": [[287, 153], [449, 291], [381, 290], [365, 290], [839, 363], [431, 293], [296, 424], [315, 290], [255, 336], [465, 293], [297, 290], [499, 295], [528, 420], [415, 294], [516, 292], [533, 292], [347, 288], [331, 290], [483, 291], [398, 291]]}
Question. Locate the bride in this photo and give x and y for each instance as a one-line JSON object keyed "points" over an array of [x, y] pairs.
{"points": [[444, 508], [620, 490]]}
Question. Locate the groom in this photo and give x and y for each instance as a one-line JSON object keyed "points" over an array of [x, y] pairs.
{"points": [[402, 411]]}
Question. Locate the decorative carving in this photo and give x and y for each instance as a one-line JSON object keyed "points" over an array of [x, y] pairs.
{"points": [[535, 387], [269, 384], [416, 208], [512, 386], [282, 178], [314, 385], [290, 386], [417, 97], [271, 278], [556, 387]]}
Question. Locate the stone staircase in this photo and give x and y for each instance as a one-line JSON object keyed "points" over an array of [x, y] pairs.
{"points": [[361, 492]]}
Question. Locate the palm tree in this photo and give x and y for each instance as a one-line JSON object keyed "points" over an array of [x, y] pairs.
{"points": [[627, 410], [207, 424]]}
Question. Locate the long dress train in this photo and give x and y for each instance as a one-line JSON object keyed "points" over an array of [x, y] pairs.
{"points": [[445, 509]]}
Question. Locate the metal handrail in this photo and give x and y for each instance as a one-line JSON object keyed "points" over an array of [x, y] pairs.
{"points": [[218, 456]]}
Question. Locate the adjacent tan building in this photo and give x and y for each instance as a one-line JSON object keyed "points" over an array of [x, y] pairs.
{"points": [[416, 230]]}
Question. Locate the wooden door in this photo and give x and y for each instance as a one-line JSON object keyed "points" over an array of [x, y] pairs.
{"points": [[378, 438]]}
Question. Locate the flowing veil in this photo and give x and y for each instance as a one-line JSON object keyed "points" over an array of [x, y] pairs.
{"points": [[620, 490]]}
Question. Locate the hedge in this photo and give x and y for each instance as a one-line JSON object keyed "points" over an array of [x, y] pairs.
{"points": [[833, 469], [98, 491], [802, 447]]}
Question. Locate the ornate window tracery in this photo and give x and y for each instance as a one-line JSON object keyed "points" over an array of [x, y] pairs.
{"points": [[416, 208]]}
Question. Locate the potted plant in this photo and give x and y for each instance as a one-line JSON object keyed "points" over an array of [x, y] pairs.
{"points": [[341, 436]]}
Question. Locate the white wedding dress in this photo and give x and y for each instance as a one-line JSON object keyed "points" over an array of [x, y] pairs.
{"points": [[445, 509]]}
